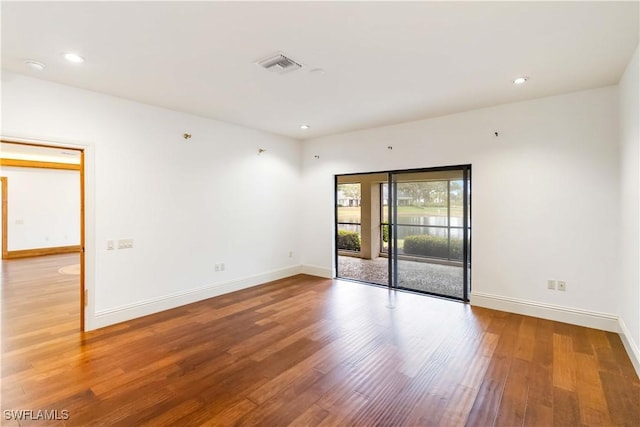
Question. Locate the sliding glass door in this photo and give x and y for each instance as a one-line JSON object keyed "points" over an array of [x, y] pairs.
{"points": [[411, 231], [430, 231]]}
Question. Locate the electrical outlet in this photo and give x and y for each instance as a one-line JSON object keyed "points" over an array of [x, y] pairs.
{"points": [[551, 284], [110, 245], [125, 243], [222, 267], [290, 254], [562, 285], [216, 267]]}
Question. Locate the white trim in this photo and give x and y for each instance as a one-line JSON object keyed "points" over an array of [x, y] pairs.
{"points": [[574, 316], [632, 348], [314, 270], [155, 305]]}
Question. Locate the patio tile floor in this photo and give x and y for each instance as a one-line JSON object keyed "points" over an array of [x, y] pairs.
{"points": [[420, 276]]}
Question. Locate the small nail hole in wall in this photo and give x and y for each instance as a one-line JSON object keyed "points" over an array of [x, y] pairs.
{"points": [[186, 135], [495, 133], [261, 150], [389, 147], [316, 156]]}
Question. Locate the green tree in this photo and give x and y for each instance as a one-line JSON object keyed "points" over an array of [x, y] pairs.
{"points": [[351, 191]]}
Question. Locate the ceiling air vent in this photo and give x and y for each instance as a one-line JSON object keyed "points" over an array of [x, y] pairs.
{"points": [[279, 63]]}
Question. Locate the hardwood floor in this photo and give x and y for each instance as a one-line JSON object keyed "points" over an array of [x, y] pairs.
{"points": [[303, 351]]}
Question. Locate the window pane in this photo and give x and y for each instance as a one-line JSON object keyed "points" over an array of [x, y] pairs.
{"points": [[457, 199], [349, 230], [422, 203], [349, 199], [385, 204]]}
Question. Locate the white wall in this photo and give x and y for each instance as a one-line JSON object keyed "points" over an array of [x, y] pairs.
{"points": [[43, 208], [629, 294], [188, 204], [545, 194]]}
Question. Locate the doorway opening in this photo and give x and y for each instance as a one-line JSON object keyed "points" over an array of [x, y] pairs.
{"points": [[407, 230], [43, 207]]}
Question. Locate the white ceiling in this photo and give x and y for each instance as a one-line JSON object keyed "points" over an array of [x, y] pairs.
{"points": [[384, 62]]}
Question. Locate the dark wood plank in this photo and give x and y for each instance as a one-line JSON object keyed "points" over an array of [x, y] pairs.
{"points": [[304, 351], [566, 411], [539, 410]]}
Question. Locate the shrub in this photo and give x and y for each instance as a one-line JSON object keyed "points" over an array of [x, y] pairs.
{"points": [[348, 240], [385, 233], [456, 249], [432, 246]]}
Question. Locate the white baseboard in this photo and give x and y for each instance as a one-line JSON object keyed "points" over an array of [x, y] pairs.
{"points": [[143, 308], [574, 316], [314, 270], [632, 348]]}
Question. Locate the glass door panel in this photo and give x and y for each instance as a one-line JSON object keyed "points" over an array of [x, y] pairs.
{"points": [[428, 229], [358, 229]]}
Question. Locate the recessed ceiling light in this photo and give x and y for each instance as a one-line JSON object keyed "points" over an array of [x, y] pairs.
{"points": [[35, 64], [73, 57], [520, 80], [304, 127]]}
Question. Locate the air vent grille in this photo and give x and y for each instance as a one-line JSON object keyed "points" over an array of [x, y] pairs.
{"points": [[279, 63]]}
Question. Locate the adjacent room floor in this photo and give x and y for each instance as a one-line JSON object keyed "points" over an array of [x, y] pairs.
{"points": [[304, 351]]}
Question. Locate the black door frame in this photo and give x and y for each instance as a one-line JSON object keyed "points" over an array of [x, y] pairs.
{"points": [[392, 215]]}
